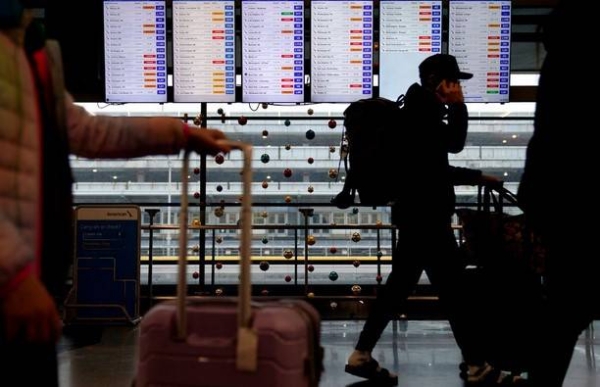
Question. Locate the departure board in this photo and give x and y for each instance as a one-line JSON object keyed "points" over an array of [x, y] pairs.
{"points": [[479, 38], [135, 51], [272, 51], [409, 32], [203, 50], [341, 50]]}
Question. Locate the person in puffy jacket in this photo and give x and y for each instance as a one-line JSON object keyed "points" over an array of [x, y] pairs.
{"points": [[40, 126]]}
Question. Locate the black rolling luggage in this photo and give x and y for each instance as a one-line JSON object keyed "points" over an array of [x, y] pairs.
{"points": [[505, 270]]}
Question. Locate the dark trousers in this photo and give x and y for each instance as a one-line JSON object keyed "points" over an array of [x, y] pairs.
{"points": [[573, 299], [28, 364], [430, 246]]}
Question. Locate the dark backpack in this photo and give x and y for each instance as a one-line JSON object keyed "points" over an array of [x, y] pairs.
{"points": [[369, 151]]}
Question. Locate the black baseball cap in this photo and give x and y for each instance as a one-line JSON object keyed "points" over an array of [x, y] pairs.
{"points": [[443, 66]]}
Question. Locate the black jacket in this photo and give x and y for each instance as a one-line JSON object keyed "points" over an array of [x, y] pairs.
{"points": [[435, 131], [563, 124]]}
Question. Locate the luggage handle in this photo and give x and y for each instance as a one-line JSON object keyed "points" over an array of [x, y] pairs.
{"points": [[247, 340]]}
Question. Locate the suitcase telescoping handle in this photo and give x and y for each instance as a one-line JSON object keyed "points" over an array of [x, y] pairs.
{"points": [[247, 339]]}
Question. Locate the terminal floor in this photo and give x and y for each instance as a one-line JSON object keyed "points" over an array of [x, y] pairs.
{"points": [[423, 353]]}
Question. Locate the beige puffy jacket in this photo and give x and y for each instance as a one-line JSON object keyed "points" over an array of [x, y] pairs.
{"points": [[20, 150]]}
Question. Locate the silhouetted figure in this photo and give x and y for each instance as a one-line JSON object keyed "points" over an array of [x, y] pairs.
{"points": [[554, 203], [426, 241]]}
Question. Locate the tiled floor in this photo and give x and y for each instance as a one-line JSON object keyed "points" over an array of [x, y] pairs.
{"points": [[422, 352]]}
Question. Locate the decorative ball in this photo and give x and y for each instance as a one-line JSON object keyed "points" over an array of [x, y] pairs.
{"points": [[196, 222], [220, 111], [288, 254], [332, 123], [311, 295], [356, 237], [198, 120], [243, 120], [355, 210], [287, 122], [219, 188], [265, 184], [356, 289], [196, 171], [333, 250], [288, 147], [196, 195], [333, 305], [219, 212], [311, 240], [332, 173], [219, 265], [379, 278], [310, 134], [287, 172], [264, 265], [310, 112], [333, 276], [310, 160], [288, 199], [195, 275], [219, 239], [311, 268], [265, 133], [265, 158], [288, 278], [265, 240], [219, 291], [311, 189], [264, 214], [331, 149], [195, 248], [379, 254], [264, 292], [219, 159], [264, 105], [356, 263]]}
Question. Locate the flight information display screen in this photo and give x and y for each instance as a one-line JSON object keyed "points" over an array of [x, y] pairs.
{"points": [[342, 57], [479, 38], [273, 51], [135, 51], [409, 32], [204, 50]]}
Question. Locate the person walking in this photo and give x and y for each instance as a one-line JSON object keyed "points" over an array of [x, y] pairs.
{"points": [[439, 122]]}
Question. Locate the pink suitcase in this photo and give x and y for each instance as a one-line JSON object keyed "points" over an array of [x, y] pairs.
{"points": [[228, 342]]}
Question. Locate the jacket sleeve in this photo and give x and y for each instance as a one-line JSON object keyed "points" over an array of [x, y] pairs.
{"points": [[458, 122], [97, 136]]}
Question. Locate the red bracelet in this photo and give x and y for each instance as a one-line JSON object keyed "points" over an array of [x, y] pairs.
{"points": [[186, 135]]}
